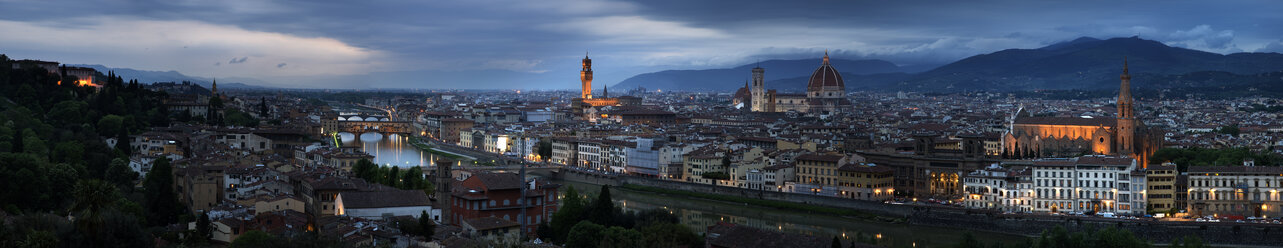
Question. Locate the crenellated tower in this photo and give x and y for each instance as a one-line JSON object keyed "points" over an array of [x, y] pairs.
{"points": [[585, 76]]}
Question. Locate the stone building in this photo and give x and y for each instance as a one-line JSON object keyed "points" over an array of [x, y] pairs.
{"points": [[1033, 137]]}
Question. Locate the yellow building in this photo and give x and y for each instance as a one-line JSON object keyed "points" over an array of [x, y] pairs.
{"points": [[866, 182], [699, 162], [1160, 181], [819, 169]]}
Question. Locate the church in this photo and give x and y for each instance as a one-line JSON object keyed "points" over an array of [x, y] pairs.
{"points": [[825, 93], [1033, 137]]}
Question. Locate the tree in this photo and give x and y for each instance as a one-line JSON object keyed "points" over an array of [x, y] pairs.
{"points": [[203, 228], [603, 208], [584, 234], [262, 108], [110, 124], [426, 224], [254, 239], [616, 236], [573, 210], [122, 142], [119, 174], [16, 146], [393, 177], [162, 202], [837, 243], [364, 169]]}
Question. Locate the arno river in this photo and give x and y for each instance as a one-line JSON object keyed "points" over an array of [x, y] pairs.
{"points": [[699, 214]]}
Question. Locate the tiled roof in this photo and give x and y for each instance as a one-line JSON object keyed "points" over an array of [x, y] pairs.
{"points": [[382, 199], [1067, 121], [496, 181]]}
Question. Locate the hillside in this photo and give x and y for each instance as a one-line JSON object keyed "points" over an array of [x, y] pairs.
{"points": [[1080, 64], [779, 74]]}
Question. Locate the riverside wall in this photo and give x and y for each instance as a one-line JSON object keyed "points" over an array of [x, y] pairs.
{"points": [[1218, 233]]}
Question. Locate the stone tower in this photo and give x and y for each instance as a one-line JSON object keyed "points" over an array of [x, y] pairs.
{"points": [[758, 91], [585, 76], [1126, 115], [443, 180]]}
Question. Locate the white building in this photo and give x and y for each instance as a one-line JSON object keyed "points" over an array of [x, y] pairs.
{"points": [[378, 204], [998, 188], [1087, 184], [1235, 190], [643, 157]]}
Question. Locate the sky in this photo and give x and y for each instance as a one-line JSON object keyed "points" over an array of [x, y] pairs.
{"points": [[523, 44]]}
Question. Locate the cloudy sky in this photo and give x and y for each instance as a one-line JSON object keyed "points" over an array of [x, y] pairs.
{"points": [[537, 44]]}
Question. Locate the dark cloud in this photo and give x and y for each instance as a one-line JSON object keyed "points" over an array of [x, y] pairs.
{"points": [[1273, 47], [544, 39]]}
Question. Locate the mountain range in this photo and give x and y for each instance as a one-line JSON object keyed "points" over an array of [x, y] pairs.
{"points": [[1084, 63]]}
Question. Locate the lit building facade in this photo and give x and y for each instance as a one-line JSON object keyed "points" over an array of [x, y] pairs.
{"points": [[1093, 183], [1235, 190]]}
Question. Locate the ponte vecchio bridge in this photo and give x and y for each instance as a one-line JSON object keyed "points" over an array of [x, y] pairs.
{"points": [[368, 123]]}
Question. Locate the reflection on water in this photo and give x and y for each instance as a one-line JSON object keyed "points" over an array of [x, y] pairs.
{"points": [[390, 149], [698, 214]]}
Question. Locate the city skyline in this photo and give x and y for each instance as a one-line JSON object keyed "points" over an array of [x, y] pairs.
{"points": [[492, 45]]}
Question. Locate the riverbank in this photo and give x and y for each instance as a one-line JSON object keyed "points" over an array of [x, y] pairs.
{"points": [[422, 145], [699, 213], [960, 220], [769, 203]]}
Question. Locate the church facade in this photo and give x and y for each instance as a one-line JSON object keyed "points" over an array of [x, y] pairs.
{"points": [[825, 93], [1034, 137]]}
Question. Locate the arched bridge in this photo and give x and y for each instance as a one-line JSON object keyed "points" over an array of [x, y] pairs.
{"points": [[366, 123]]}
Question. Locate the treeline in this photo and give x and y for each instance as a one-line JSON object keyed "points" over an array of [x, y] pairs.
{"points": [[63, 185], [1185, 157], [599, 223], [392, 176]]}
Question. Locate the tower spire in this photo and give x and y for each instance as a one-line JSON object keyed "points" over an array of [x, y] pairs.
{"points": [[826, 56], [1124, 65]]}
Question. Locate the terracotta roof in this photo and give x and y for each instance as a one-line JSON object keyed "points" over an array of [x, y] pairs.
{"points": [[1103, 160], [825, 76], [1067, 121], [866, 168], [496, 181], [489, 223], [1236, 169], [381, 199], [819, 157]]}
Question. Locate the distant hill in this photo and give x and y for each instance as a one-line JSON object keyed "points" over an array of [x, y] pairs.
{"points": [[149, 77], [1080, 64], [780, 74], [1084, 63]]}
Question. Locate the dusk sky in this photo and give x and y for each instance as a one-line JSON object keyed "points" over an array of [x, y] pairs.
{"points": [[537, 44]]}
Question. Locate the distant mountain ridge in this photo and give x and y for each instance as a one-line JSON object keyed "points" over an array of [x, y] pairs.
{"points": [[777, 71], [149, 77], [1083, 63]]}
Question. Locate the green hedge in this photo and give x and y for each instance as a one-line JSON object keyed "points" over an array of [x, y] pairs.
{"points": [[766, 203]]}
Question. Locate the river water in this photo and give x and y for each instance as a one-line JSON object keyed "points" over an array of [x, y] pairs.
{"points": [[389, 149], [698, 214]]}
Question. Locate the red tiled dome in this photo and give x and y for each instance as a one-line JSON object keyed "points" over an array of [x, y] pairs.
{"points": [[825, 76]]}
